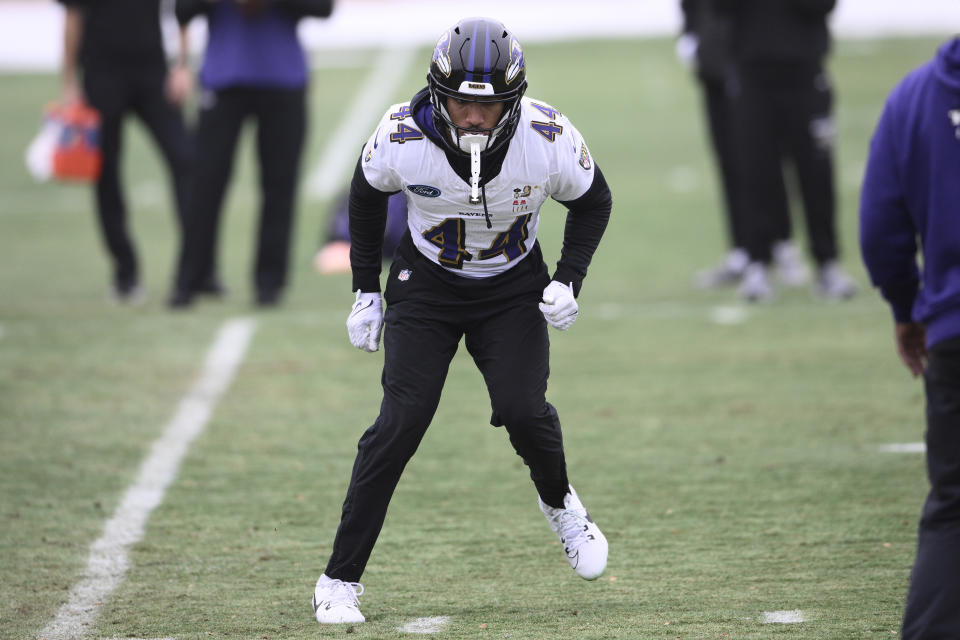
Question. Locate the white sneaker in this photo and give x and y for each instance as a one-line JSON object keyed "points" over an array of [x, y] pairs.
{"points": [[725, 274], [791, 269], [755, 286], [833, 283], [335, 601], [583, 542]]}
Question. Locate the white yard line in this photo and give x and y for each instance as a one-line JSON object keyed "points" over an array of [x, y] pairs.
{"points": [[425, 625], [332, 173], [903, 447], [784, 617], [108, 561], [729, 315]]}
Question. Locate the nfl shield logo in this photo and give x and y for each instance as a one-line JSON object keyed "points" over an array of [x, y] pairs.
{"points": [[404, 275]]}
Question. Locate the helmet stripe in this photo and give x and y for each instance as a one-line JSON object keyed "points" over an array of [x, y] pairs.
{"points": [[473, 53], [486, 55]]}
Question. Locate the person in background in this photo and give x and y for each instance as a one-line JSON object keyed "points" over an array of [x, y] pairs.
{"points": [[706, 46], [910, 192], [334, 253], [254, 67], [783, 103], [114, 59], [476, 160]]}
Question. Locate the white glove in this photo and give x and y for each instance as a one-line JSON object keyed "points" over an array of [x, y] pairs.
{"points": [[559, 306], [686, 49], [365, 321]]}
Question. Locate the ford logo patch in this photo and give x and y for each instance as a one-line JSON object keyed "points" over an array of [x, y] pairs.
{"points": [[423, 190]]}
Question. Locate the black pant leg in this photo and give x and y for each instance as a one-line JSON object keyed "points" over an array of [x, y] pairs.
{"points": [[933, 600], [719, 112], [281, 116], [811, 148], [512, 350], [418, 345], [765, 210], [164, 121], [214, 145], [108, 92]]}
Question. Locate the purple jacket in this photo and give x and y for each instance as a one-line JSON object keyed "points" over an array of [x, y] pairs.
{"points": [[911, 192], [260, 51]]}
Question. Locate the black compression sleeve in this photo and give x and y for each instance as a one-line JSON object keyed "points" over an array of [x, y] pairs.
{"points": [[368, 219], [587, 218]]}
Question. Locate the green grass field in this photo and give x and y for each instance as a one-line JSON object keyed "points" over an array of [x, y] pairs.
{"points": [[734, 468]]}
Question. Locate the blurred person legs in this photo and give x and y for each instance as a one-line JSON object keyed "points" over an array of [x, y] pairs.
{"points": [[764, 205], [933, 598], [718, 109], [114, 93], [281, 124], [218, 127], [785, 115], [811, 143]]}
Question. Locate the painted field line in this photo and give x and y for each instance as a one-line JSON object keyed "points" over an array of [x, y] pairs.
{"points": [[425, 625], [729, 315], [784, 617], [332, 173], [903, 447], [108, 561]]}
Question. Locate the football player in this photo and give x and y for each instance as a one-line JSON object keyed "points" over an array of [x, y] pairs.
{"points": [[476, 160]]}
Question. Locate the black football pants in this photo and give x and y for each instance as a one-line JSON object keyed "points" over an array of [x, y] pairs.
{"points": [[427, 314], [784, 115], [281, 126], [933, 600], [720, 122], [114, 93]]}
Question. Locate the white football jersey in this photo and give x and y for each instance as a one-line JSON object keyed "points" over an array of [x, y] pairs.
{"points": [[547, 157]]}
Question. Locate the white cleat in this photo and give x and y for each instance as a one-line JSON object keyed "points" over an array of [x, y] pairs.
{"points": [[335, 601], [583, 542]]}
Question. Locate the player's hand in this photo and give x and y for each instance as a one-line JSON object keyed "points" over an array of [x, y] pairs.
{"points": [[365, 321], [559, 306]]}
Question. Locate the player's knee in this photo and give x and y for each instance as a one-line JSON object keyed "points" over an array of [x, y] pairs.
{"points": [[520, 413]]}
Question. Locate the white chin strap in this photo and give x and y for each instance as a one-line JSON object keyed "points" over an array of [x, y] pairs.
{"points": [[474, 144]]}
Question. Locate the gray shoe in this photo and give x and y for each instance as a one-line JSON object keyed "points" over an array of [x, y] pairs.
{"points": [[790, 267], [833, 283], [755, 286], [726, 274]]}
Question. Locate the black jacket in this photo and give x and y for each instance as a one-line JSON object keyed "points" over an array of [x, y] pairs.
{"points": [[713, 31], [779, 31]]}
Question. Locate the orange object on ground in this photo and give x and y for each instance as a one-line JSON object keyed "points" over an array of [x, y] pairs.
{"points": [[77, 155]]}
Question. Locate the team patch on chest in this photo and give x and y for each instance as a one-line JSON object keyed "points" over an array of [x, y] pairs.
{"points": [[522, 197]]}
